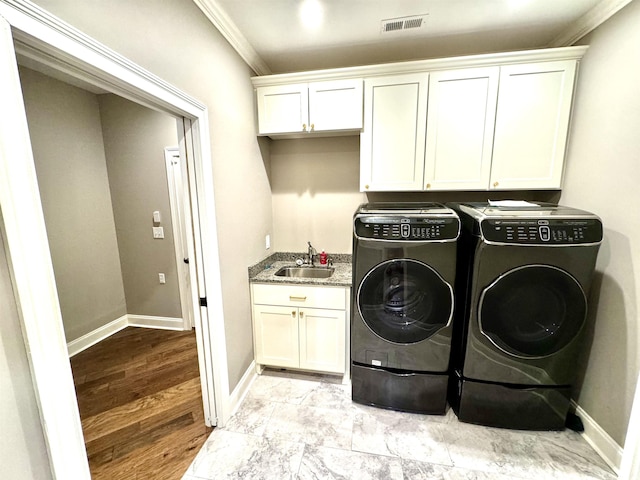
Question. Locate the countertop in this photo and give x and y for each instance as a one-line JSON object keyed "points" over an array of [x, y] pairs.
{"points": [[263, 272]]}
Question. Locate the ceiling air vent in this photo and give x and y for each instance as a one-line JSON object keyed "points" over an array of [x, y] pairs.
{"points": [[403, 23]]}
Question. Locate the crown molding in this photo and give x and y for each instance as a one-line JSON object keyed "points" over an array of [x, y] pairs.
{"points": [[228, 29], [414, 66], [591, 20]]}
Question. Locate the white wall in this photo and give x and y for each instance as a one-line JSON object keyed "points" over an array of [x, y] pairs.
{"points": [[602, 176], [23, 453], [175, 41]]}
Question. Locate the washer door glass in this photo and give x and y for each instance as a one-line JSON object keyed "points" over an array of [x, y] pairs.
{"points": [[532, 311], [405, 301]]}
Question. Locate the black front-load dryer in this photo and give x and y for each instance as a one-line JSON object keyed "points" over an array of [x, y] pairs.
{"points": [[523, 281], [404, 266]]}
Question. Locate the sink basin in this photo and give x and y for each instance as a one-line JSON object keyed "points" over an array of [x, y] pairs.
{"points": [[305, 272]]}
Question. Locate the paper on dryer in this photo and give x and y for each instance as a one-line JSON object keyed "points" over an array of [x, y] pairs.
{"points": [[512, 203]]}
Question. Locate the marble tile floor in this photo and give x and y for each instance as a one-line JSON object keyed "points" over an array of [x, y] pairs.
{"points": [[297, 426]]}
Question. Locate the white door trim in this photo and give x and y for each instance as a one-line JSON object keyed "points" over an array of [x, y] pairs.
{"points": [[181, 222], [39, 35]]}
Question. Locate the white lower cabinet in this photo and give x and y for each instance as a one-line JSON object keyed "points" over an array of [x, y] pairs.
{"points": [[300, 327]]}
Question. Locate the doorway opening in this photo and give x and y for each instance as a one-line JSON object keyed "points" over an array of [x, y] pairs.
{"points": [[104, 189], [44, 38]]}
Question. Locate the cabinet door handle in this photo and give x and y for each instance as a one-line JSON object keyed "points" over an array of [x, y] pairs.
{"points": [[293, 298], [293, 314]]}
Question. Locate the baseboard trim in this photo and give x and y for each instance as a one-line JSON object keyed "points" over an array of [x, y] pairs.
{"points": [[600, 440], [82, 343], [241, 390], [147, 321], [99, 334]]}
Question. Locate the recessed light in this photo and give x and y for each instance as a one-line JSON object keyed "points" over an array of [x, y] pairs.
{"points": [[311, 14]]}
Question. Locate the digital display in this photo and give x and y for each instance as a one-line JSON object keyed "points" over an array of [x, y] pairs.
{"points": [[537, 231], [411, 229]]}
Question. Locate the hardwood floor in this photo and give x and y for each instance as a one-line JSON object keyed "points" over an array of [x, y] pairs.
{"points": [[140, 404]]}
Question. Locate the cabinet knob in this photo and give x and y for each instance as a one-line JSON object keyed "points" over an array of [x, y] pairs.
{"points": [[312, 127], [366, 187], [495, 184], [293, 313], [304, 127], [428, 185], [301, 314]]}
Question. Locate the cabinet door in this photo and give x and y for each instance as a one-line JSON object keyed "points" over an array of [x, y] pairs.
{"points": [[283, 109], [532, 120], [462, 109], [276, 335], [322, 340], [392, 140], [335, 105]]}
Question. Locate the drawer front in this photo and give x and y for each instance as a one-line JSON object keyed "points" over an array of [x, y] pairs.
{"points": [[300, 296]]}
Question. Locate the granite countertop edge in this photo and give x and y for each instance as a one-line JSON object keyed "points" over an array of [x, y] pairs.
{"points": [[263, 272]]}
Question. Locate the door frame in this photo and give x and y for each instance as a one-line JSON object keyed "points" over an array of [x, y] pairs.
{"points": [[182, 234], [41, 36]]}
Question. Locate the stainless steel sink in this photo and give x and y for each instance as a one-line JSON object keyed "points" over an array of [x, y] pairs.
{"points": [[305, 272]]}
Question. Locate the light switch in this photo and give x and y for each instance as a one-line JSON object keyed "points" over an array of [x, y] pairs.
{"points": [[162, 278], [156, 216], [267, 241], [158, 232]]}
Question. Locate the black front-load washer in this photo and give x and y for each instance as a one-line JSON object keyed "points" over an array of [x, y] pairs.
{"points": [[523, 281], [404, 266]]}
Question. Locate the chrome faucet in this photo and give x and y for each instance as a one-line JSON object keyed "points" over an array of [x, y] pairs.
{"points": [[311, 252]]}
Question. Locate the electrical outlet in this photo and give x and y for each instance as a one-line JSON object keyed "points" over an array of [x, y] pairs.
{"points": [[267, 241], [158, 232], [162, 278]]}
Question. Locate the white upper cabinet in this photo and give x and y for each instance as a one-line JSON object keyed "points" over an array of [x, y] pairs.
{"points": [[283, 108], [532, 121], [335, 105], [480, 122], [393, 137], [310, 107], [462, 108]]}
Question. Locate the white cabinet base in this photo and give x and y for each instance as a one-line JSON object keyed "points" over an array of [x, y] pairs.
{"points": [[301, 327]]}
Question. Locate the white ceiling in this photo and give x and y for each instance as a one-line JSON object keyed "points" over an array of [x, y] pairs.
{"points": [[350, 33]]}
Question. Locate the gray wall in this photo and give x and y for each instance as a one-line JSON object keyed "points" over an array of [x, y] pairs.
{"points": [[101, 173], [602, 176], [134, 141], [315, 185], [23, 453], [175, 41], [66, 137]]}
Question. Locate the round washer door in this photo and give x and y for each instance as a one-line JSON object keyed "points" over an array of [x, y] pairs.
{"points": [[404, 301], [532, 311]]}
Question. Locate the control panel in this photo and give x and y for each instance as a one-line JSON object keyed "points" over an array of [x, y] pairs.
{"points": [[407, 228], [537, 231]]}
